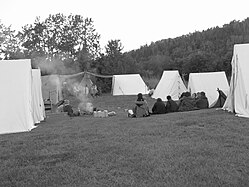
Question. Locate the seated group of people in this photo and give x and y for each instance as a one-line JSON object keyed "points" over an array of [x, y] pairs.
{"points": [[194, 102], [186, 103], [161, 108]]}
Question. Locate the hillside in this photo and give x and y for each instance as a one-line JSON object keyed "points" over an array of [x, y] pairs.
{"points": [[209, 50]]}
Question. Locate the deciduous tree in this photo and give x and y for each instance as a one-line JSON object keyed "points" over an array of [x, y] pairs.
{"points": [[61, 37], [9, 43]]}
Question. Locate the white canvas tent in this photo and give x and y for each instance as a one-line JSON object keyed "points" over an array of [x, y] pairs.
{"points": [[37, 100], [170, 84], [16, 113], [238, 97], [208, 83], [128, 84]]}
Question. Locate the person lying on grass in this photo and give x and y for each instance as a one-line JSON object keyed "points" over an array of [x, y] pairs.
{"points": [[141, 108], [159, 107]]}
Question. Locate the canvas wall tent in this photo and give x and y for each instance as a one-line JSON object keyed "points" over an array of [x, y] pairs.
{"points": [[170, 84], [16, 112], [37, 100], [221, 100], [208, 83], [238, 97], [128, 84]]}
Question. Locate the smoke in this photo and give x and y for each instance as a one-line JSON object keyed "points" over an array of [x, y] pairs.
{"points": [[54, 80], [66, 78], [85, 104], [56, 66], [75, 85]]}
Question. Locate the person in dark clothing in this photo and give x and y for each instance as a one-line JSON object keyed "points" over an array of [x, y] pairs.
{"points": [[182, 95], [141, 108], [202, 101], [187, 103], [171, 105], [69, 109], [159, 107]]}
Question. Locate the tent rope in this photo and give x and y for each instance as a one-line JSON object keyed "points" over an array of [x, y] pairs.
{"points": [[90, 73], [97, 75]]}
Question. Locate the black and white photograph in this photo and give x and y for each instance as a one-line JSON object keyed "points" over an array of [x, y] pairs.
{"points": [[115, 93]]}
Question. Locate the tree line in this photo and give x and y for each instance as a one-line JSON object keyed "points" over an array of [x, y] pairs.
{"points": [[209, 50], [61, 43]]}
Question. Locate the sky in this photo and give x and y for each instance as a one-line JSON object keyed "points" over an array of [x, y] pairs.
{"points": [[134, 22]]}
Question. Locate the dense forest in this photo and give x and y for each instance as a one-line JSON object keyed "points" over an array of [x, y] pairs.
{"points": [[69, 44]]}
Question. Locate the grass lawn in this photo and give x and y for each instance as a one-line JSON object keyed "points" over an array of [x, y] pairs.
{"points": [[199, 148]]}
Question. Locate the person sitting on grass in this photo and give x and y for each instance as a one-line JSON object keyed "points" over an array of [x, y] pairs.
{"points": [[141, 108], [194, 95], [182, 95], [159, 107], [171, 105], [202, 101], [187, 103]]}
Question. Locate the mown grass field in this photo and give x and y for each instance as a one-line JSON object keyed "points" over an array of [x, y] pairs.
{"points": [[198, 148]]}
